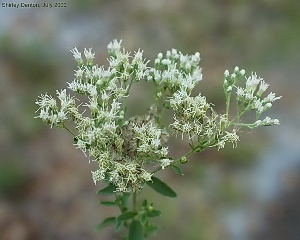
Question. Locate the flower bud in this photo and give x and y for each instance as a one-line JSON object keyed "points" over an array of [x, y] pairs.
{"points": [[183, 160]]}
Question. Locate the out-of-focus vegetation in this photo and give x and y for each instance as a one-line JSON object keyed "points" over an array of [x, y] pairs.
{"points": [[46, 191]]}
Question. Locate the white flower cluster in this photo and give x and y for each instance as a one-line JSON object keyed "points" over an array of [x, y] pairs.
{"points": [[121, 148], [250, 98], [124, 147], [196, 118], [175, 71], [51, 113]]}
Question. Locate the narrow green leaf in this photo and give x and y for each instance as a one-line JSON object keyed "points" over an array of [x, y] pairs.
{"points": [[109, 190], [124, 198], [145, 203], [106, 222], [118, 226], [177, 170], [144, 218], [151, 228], [108, 203], [135, 231], [153, 213], [126, 215], [160, 187]]}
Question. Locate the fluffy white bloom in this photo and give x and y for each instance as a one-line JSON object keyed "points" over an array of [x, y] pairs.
{"points": [[160, 56], [166, 61], [271, 97], [240, 91], [196, 58], [229, 89], [81, 145], [269, 122], [262, 87], [231, 137], [258, 106], [44, 114], [252, 81], [61, 116], [79, 73], [146, 176], [226, 73], [276, 121], [165, 162], [76, 54], [114, 45], [220, 144], [257, 123], [98, 175], [46, 101], [88, 54], [183, 59]]}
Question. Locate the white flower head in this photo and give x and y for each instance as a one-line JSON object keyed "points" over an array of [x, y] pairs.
{"points": [[114, 46], [160, 56], [242, 72], [263, 86], [226, 73], [253, 81], [165, 162], [98, 175], [229, 89], [76, 54], [240, 92], [89, 55], [271, 97]]}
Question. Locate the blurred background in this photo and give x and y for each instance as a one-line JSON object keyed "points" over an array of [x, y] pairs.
{"points": [[248, 193]]}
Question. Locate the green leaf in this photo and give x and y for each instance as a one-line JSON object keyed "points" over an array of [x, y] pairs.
{"points": [[150, 229], [126, 215], [144, 218], [145, 203], [109, 190], [108, 203], [177, 170], [106, 222], [160, 187], [118, 226], [153, 213], [135, 231], [124, 198]]}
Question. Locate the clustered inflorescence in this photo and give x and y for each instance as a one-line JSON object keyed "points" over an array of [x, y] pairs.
{"points": [[123, 147]]}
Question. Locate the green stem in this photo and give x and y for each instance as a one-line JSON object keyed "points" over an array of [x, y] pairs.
{"points": [[162, 115], [227, 103], [65, 127], [249, 125], [127, 94], [134, 201]]}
